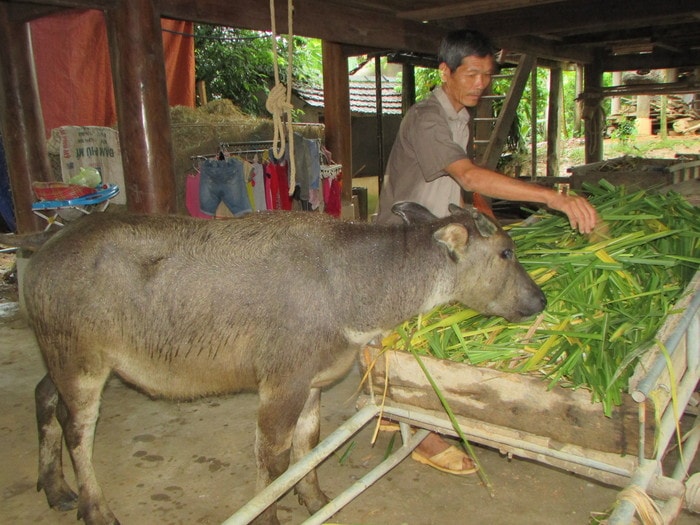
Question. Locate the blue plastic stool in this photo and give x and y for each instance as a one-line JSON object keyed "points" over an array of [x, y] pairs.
{"points": [[98, 201]]}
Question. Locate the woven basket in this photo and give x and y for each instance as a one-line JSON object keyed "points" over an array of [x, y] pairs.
{"points": [[60, 191]]}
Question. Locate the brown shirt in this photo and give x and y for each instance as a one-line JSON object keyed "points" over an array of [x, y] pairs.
{"points": [[432, 136]]}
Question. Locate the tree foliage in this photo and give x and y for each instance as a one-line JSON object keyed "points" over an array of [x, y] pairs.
{"points": [[238, 64]]}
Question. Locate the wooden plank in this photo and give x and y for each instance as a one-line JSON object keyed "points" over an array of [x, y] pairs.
{"points": [[522, 444], [513, 401]]}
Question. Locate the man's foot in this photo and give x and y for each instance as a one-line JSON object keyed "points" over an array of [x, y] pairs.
{"points": [[387, 425], [438, 453]]}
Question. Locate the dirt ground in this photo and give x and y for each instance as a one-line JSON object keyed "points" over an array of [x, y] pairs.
{"points": [[185, 463]]}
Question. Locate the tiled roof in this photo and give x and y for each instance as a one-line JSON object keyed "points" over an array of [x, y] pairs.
{"points": [[362, 96]]}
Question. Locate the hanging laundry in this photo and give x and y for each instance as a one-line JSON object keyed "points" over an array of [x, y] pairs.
{"points": [[277, 186], [331, 195], [192, 195], [258, 183], [223, 181]]}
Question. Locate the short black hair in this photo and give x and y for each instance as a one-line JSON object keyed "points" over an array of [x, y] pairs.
{"points": [[463, 43]]}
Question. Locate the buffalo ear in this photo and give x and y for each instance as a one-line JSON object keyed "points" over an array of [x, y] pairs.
{"points": [[412, 212], [458, 210], [454, 237], [483, 223]]}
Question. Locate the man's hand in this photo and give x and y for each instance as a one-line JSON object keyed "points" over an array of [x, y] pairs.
{"points": [[582, 215]]}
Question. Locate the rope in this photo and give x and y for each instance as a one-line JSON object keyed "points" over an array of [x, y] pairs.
{"points": [[279, 101], [646, 508]]}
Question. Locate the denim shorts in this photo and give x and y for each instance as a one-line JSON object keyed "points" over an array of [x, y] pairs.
{"points": [[223, 181]]}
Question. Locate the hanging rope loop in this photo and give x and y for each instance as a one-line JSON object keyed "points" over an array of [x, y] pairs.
{"points": [[279, 100]]}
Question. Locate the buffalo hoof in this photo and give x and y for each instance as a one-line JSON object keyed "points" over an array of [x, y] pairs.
{"points": [[59, 497]]}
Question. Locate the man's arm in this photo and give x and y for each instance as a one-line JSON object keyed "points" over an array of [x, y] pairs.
{"points": [[471, 177]]}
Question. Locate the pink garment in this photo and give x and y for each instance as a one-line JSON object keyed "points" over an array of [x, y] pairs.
{"points": [[192, 196]]}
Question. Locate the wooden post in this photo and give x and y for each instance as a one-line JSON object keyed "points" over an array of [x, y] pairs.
{"points": [[202, 92], [140, 88], [643, 120], [593, 113], [408, 87], [553, 121], [616, 102], [336, 90], [21, 119], [533, 121], [578, 109]]}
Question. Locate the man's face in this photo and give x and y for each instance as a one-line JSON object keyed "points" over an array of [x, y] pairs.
{"points": [[464, 85]]}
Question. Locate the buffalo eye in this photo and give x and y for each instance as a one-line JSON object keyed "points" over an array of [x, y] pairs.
{"points": [[507, 254]]}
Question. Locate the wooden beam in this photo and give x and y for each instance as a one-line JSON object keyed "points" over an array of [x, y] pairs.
{"points": [[336, 91], [475, 7], [315, 19], [140, 89], [21, 120], [545, 49], [664, 88], [577, 17], [658, 59]]}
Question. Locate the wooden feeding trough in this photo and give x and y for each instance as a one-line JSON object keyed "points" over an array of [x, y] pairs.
{"points": [[636, 172], [519, 415]]}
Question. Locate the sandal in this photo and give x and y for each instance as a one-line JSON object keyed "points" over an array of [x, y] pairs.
{"points": [[449, 460], [387, 425]]}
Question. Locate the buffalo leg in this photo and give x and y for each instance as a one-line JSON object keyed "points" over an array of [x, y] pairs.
{"points": [[306, 436], [82, 400], [279, 410], [51, 479]]}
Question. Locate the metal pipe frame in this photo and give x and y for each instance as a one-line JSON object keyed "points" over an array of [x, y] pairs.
{"points": [[651, 470], [298, 470]]}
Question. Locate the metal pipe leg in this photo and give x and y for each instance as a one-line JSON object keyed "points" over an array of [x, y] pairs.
{"points": [[367, 480], [298, 470]]}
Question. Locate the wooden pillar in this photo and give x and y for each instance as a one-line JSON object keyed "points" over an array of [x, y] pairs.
{"points": [[643, 116], [593, 113], [578, 109], [553, 121], [408, 87], [21, 119], [336, 96], [533, 121], [143, 114]]}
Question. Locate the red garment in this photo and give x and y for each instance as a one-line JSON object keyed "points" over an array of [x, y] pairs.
{"points": [[277, 187], [331, 195]]}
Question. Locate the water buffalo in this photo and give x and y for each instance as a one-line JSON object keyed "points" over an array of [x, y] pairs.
{"points": [[278, 302]]}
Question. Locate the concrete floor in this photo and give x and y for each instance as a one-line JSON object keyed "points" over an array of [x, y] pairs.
{"points": [[189, 463]]}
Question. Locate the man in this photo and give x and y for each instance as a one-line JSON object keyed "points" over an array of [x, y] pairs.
{"points": [[428, 164]]}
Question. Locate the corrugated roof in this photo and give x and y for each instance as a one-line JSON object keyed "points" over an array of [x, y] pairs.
{"points": [[363, 95]]}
